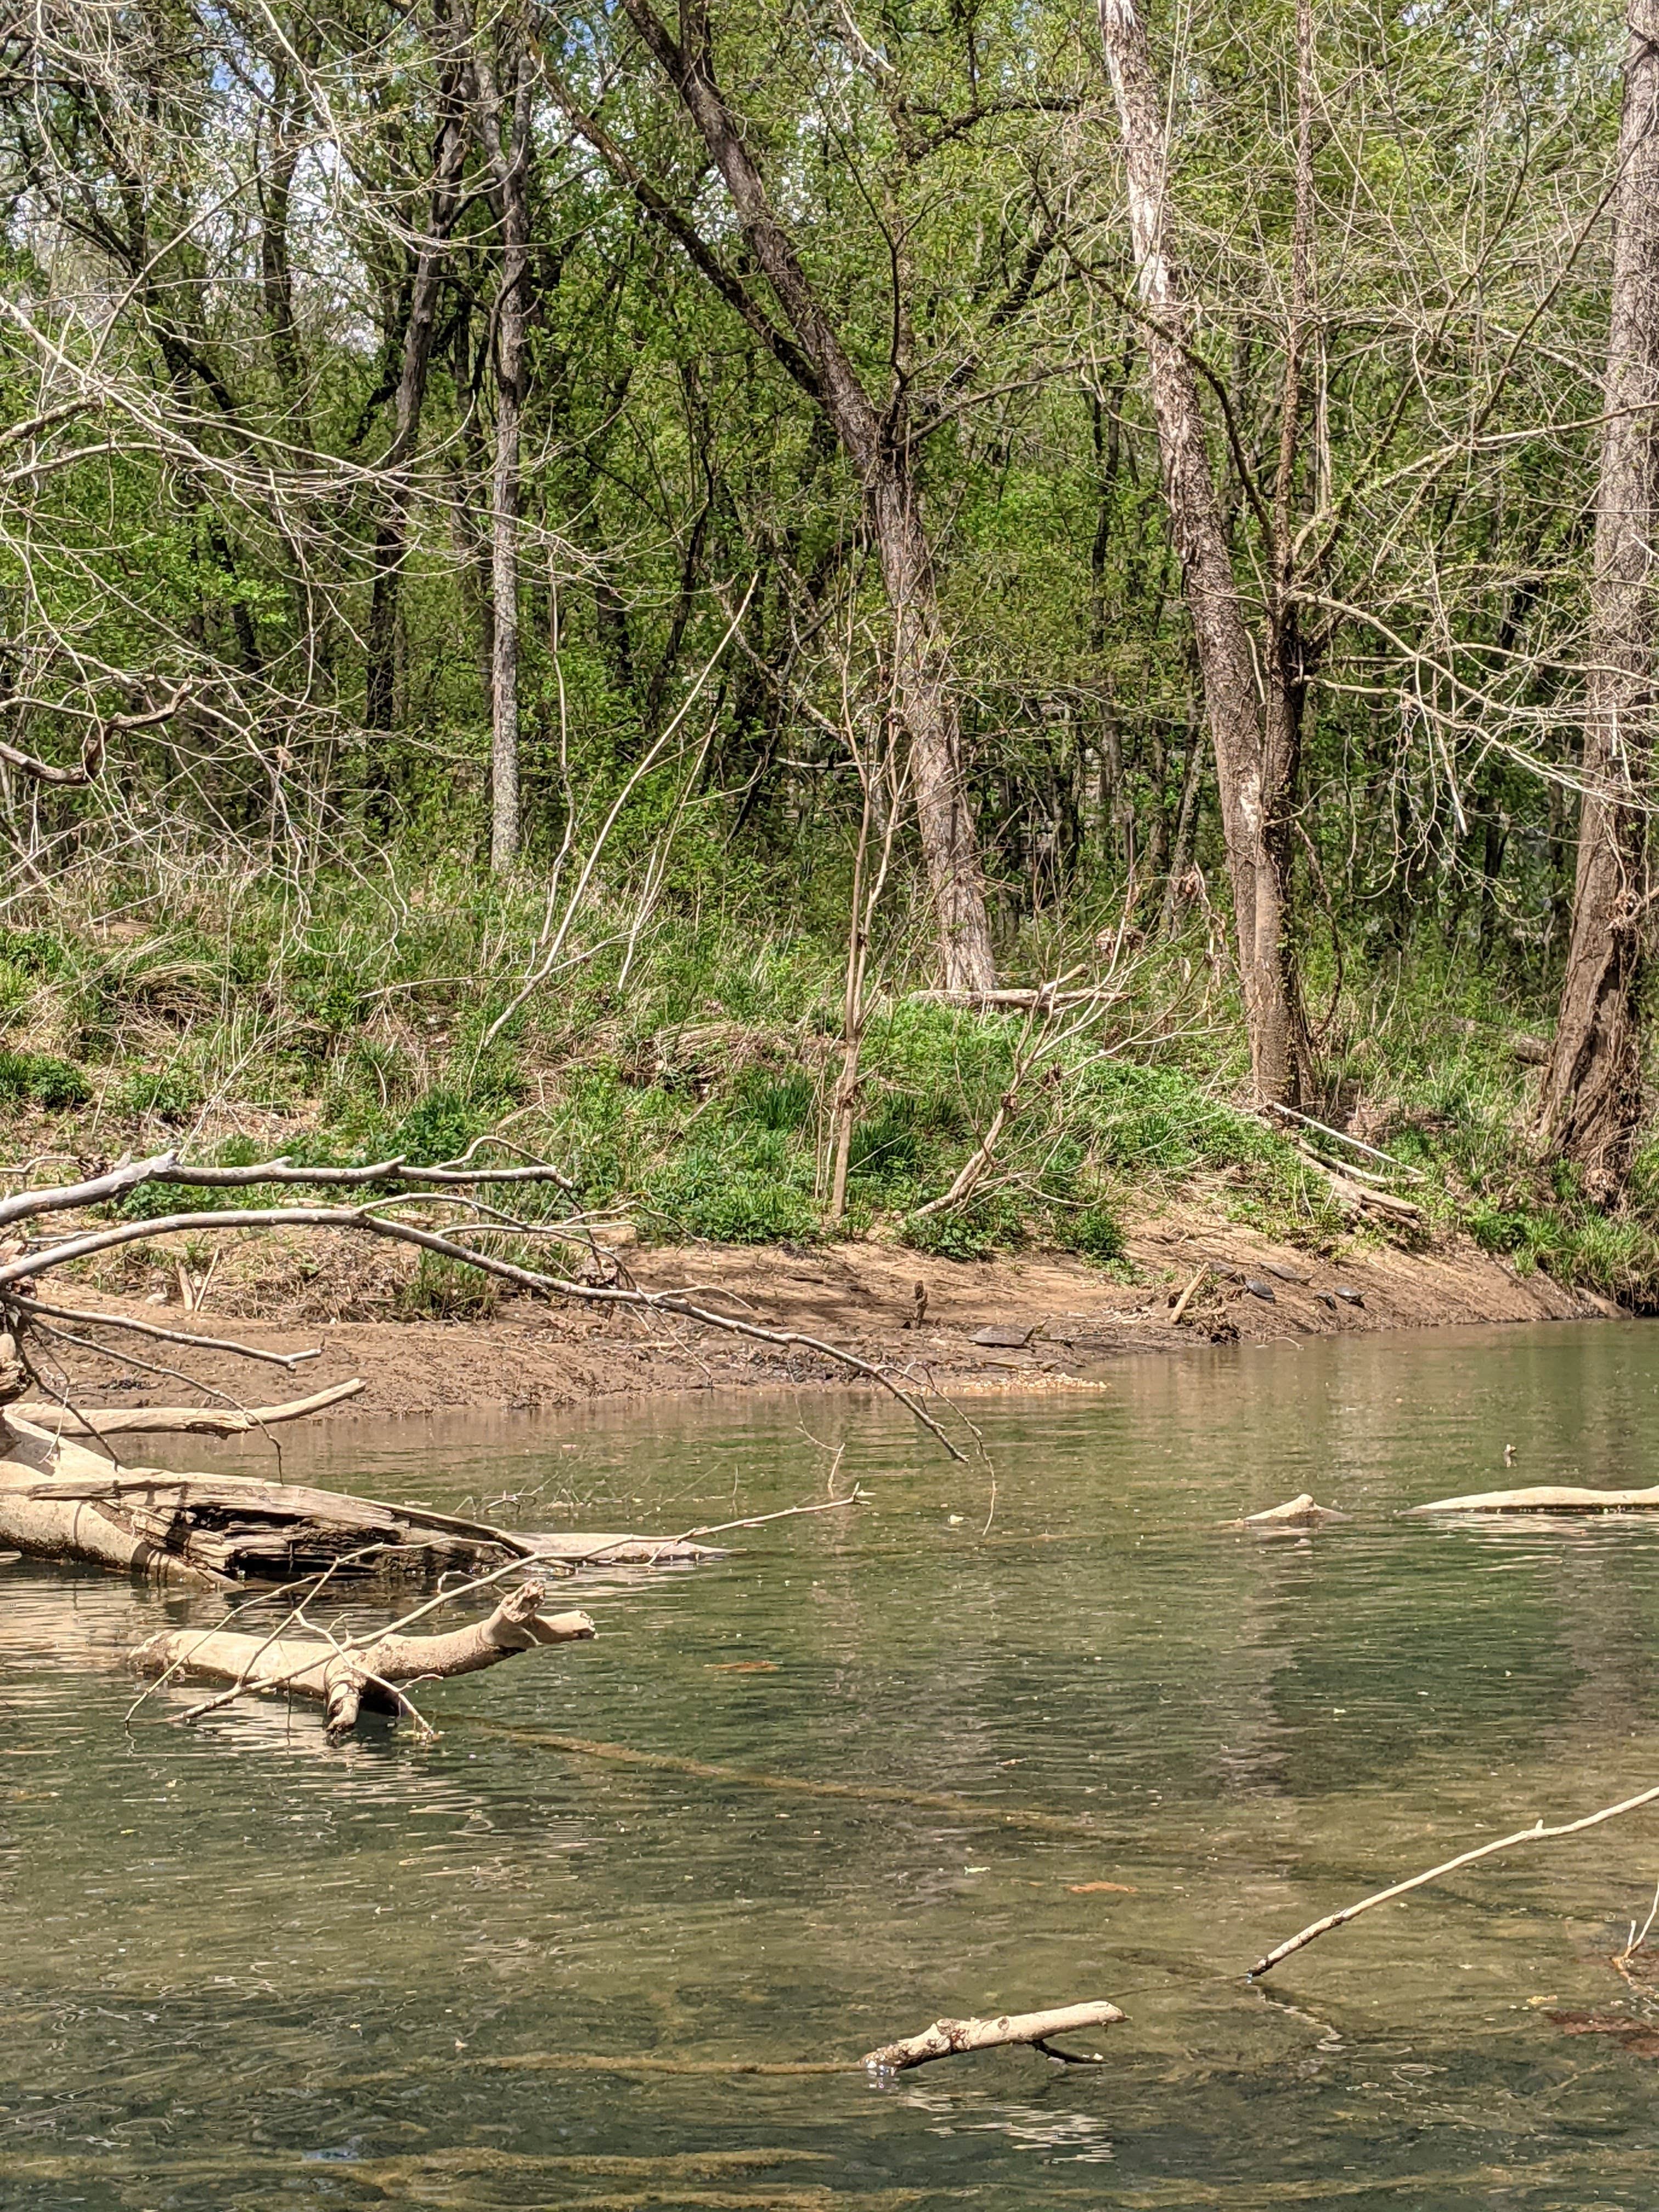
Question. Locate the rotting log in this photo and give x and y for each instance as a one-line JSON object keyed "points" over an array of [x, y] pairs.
{"points": [[347, 1678], [1547, 1498], [945, 2039], [61, 1500]]}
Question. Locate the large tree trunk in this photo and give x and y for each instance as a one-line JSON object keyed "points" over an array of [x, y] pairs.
{"points": [[1255, 762], [945, 818], [504, 130], [1591, 1104], [875, 448]]}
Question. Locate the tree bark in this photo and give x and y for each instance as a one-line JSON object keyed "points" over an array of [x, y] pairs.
{"points": [[391, 531], [1590, 1107], [1255, 752], [878, 448], [504, 130]]}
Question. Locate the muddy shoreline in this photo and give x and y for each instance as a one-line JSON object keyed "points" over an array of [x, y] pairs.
{"points": [[1075, 1321]]}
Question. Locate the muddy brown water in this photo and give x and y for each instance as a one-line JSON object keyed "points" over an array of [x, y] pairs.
{"points": [[1109, 1750]]}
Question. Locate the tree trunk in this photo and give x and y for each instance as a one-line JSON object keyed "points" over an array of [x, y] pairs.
{"points": [[391, 531], [1252, 761], [876, 448], [507, 150], [1591, 1103], [949, 842]]}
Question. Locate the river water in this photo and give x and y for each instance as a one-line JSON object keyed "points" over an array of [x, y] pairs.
{"points": [[1105, 1748]]}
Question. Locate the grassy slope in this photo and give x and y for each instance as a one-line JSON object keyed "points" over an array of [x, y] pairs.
{"points": [[684, 1080]]}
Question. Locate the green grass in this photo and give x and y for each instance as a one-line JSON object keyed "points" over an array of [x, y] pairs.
{"points": [[694, 1091]]}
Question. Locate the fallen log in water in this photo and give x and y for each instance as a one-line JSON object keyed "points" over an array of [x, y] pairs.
{"points": [[1547, 1498], [621, 1551], [350, 1676], [61, 1500], [945, 2039]]}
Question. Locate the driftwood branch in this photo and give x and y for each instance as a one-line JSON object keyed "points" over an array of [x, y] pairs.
{"points": [[1299, 1512], [180, 1421], [1341, 1136], [945, 2039], [1536, 1834], [36, 1308], [347, 1677], [1188, 1295]]}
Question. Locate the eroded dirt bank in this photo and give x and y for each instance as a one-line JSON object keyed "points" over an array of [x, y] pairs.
{"points": [[1075, 1319]]}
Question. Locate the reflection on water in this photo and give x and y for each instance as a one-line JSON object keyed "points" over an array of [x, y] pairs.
{"points": [[238, 1969]]}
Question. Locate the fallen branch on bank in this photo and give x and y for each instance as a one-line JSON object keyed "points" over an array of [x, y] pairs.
{"points": [[347, 1676], [1358, 1194], [178, 1420], [1341, 1136], [947, 2039], [1536, 1834], [472, 1235]]}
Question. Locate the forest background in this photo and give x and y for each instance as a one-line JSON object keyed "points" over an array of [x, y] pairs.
{"points": [[931, 618]]}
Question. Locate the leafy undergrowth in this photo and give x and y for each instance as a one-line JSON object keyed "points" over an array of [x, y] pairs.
{"points": [[684, 1080]]}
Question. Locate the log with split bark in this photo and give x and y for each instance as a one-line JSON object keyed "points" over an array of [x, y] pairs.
{"points": [[60, 1498], [347, 1677]]}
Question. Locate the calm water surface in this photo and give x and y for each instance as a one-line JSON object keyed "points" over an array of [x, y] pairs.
{"points": [[238, 1969]]}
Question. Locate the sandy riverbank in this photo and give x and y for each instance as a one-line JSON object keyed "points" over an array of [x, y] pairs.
{"points": [[862, 1296]]}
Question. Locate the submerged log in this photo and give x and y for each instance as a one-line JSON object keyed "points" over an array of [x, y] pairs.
{"points": [[1295, 1513], [1547, 1498], [372, 1673], [946, 2038]]}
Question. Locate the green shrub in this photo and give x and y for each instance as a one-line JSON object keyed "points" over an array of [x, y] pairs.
{"points": [[962, 1233], [1096, 1232], [168, 1093], [776, 1103], [709, 1193], [42, 1080], [38, 952], [444, 1290], [890, 1145]]}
